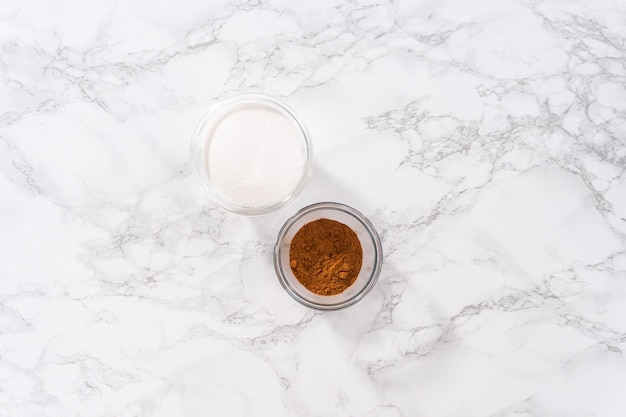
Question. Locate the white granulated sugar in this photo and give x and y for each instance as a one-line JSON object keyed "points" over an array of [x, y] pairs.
{"points": [[256, 157]]}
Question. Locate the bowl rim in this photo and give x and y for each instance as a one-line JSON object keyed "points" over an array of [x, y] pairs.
{"points": [[218, 110], [378, 251]]}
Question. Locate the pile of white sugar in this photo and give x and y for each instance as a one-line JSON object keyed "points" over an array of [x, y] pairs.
{"points": [[256, 156]]}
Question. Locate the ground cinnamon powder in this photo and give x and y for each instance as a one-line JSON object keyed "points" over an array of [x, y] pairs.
{"points": [[326, 256]]}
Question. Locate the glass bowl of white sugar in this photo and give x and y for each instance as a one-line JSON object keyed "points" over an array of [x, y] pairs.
{"points": [[251, 154]]}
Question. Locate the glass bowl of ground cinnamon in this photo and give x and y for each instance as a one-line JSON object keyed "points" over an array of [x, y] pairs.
{"points": [[328, 256]]}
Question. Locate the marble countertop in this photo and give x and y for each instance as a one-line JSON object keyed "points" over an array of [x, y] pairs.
{"points": [[485, 140]]}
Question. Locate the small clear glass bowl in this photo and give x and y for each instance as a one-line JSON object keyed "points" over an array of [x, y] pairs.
{"points": [[202, 137], [370, 243]]}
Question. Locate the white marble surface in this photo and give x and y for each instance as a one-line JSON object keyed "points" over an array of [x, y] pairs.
{"points": [[486, 140]]}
